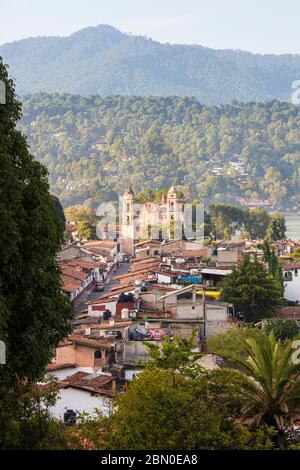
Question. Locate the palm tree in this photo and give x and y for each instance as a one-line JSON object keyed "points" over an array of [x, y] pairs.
{"points": [[270, 390]]}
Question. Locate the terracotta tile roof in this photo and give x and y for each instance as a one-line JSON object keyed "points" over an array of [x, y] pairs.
{"points": [[82, 264], [53, 366], [99, 251], [132, 274], [67, 280], [145, 266], [117, 292], [108, 326], [70, 288], [231, 243], [100, 243], [87, 340], [103, 300], [171, 242], [146, 259], [95, 383], [148, 242], [123, 288], [158, 287], [288, 267], [289, 312], [74, 273], [78, 323], [192, 253]]}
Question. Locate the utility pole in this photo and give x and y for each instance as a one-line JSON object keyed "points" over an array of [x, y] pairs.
{"points": [[202, 327], [204, 312]]}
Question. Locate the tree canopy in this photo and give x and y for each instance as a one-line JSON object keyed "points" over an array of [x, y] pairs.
{"points": [[34, 312], [125, 64], [253, 291], [96, 147]]}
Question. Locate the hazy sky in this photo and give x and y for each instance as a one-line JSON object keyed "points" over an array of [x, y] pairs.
{"points": [[253, 25]]}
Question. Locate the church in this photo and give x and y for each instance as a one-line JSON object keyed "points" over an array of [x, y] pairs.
{"points": [[150, 220]]}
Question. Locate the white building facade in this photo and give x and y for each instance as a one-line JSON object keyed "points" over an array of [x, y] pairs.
{"points": [[291, 281]]}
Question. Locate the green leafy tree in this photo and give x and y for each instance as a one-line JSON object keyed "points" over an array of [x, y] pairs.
{"points": [[26, 422], [274, 267], [252, 290], [166, 140], [34, 313], [86, 230], [163, 410], [277, 228], [226, 219], [80, 213], [256, 222], [173, 404], [59, 209], [233, 341], [173, 353], [296, 254]]}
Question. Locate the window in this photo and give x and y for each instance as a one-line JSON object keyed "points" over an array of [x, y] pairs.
{"points": [[288, 276], [97, 354]]}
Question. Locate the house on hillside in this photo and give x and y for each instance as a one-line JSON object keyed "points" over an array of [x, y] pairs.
{"points": [[86, 392], [185, 309], [111, 305], [85, 351]]}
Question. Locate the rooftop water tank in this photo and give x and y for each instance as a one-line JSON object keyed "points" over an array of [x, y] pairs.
{"points": [[125, 313]]}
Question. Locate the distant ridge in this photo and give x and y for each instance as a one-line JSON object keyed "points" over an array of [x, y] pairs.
{"points": [[104, 61]]}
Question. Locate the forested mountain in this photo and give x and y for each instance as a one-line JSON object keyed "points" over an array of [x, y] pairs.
{"points": [[101, 60], [95, 147]]}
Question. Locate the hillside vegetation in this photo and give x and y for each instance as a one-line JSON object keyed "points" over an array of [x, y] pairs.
{"points": [[104, 61], [95, 147]]}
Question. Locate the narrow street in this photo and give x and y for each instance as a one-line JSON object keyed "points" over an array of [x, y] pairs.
{"points": [[79, 304]]}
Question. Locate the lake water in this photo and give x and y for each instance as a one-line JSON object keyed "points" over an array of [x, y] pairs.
{"points": [[292, 225]]}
